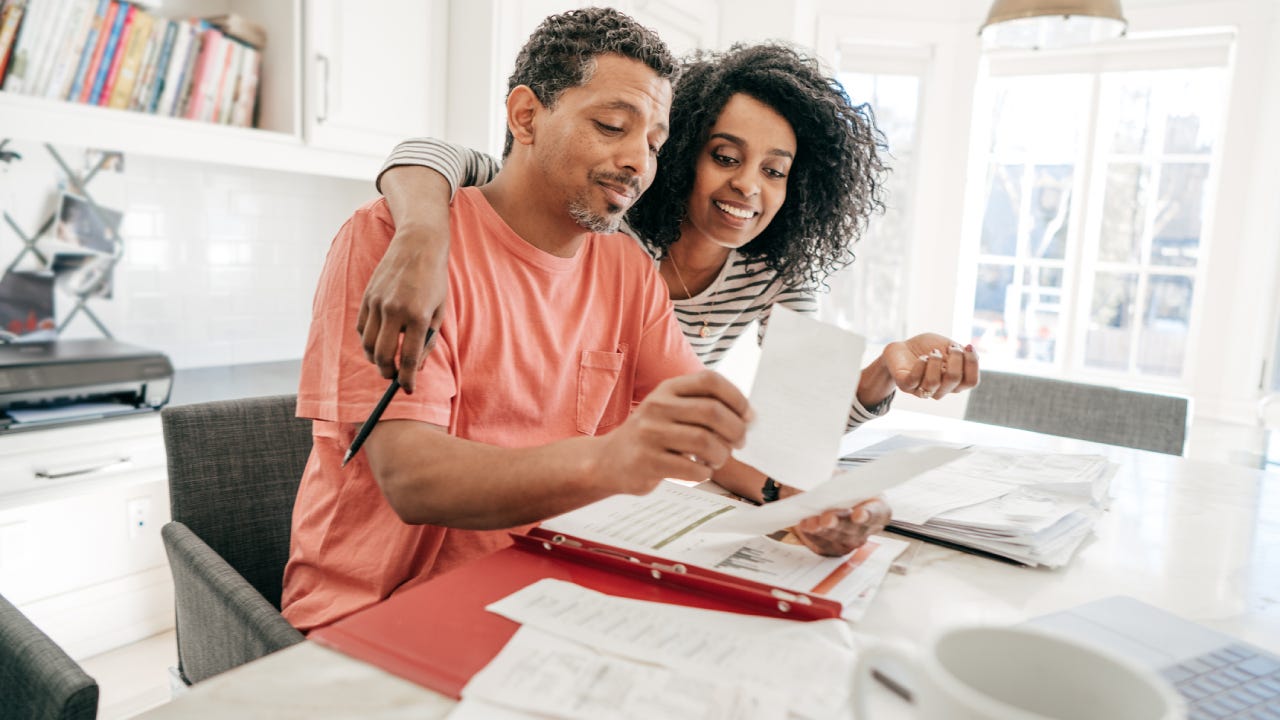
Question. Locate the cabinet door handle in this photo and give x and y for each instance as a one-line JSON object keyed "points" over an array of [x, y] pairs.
{"points": [[322, 61], [84, 468]]}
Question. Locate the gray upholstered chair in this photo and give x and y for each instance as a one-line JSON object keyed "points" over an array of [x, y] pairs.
{"points": [[1077, 410], [234, 468], [38, 679]]}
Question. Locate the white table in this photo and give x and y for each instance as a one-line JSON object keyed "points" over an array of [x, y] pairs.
{"points": [[1199, 539]]}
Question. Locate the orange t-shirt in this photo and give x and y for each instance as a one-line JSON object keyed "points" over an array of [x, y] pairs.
{"points": [[534, 348]]}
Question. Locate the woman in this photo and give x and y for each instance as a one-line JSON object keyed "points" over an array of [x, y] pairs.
{"points": [[766, 181]]}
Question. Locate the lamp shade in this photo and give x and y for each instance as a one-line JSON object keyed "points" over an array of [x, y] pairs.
{"points": [[1051, 23]]}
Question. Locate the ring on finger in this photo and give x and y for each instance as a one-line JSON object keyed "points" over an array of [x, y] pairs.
{"points": [[926, 394]]}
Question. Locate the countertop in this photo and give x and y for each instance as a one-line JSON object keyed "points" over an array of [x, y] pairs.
{"points": [[227, 382]]}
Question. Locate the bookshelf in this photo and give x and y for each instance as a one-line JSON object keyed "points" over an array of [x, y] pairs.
{"points": [[283, 139]]}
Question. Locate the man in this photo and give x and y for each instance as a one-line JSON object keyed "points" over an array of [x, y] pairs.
{"points": [[555, 330]]}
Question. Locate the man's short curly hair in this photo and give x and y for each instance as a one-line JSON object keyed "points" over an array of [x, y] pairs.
{"points": [[834, 184], [561, 52]]}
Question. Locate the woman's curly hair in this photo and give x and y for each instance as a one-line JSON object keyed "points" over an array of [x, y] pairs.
{"points": [[561, 53], [834, 184]]}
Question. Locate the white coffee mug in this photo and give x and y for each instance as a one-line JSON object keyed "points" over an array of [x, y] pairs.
{"points": [[1018, 673]]}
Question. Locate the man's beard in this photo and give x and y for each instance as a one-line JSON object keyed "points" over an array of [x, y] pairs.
{"points": [[581, 212], [580, 207]]}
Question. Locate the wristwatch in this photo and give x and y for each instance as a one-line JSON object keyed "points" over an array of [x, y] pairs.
{"points": [[769, 492]]}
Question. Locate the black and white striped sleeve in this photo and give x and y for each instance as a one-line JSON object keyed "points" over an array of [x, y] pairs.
{"points": [[460, 166]]}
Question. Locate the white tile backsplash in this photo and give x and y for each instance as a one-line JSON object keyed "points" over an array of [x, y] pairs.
{"points": [[220, 263]]}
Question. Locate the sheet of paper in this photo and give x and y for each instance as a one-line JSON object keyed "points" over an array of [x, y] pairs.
{"points": [[804, 385], [645, 522], [543, 674], [845, 489], [810, 660]]}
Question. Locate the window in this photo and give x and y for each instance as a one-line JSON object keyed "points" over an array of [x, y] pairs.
{"points": [[869, 296], [1097, 184]]}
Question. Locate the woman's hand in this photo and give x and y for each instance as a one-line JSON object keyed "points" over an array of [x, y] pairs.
{"points": [[927, 366], [840, 532], [406, 294]]}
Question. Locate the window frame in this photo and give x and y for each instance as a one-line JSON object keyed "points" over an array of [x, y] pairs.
{"points": [[1211, 47]]}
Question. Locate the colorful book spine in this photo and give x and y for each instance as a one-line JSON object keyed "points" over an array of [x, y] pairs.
{"points": [[147, 67], [212, 53], [247, 92], [92, 53], [10, 21], [221, 107], [189, 71], [159, 70], [34, 24], [183, 39], [108, 57], [126, 78]]}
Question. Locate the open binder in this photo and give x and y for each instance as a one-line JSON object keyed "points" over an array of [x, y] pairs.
{"points": [[438, 634]]}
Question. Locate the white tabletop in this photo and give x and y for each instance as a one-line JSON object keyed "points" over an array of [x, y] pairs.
{"points": [[1199, 539]]}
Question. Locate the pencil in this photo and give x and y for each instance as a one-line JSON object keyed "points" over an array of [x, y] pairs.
{"points": [[376, 415]]}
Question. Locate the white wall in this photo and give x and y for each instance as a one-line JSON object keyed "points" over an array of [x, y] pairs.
{"points": [[220, 263]]}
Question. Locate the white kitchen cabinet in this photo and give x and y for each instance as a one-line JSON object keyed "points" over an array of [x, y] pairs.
{"points": [[81, 509], [375, 72]]}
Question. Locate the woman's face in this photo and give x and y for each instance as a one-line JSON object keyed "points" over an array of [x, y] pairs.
{"points": [[740, 179]]}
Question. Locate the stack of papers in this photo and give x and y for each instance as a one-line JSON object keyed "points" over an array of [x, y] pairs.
{"points": [[580, 654], [1032, 508]]}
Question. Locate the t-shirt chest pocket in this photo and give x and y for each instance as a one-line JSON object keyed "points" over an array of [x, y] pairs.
{"points": [[598, 374]]}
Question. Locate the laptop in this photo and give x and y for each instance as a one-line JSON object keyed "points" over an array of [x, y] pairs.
{"points": [[1219, 676]]}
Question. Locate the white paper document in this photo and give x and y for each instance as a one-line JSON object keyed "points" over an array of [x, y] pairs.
{"points": [[672, 521], [547, 676], [808, 664], [804, 386], [1033, 508], [845, 489]]}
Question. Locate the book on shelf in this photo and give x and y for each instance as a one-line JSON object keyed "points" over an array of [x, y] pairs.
{"points": [[226, 80], [171, 84], [147, 63], [121, 54], [247, 90], [130, 55], [53, 45], [66, 59], [212, 48], [113, 56], [11, 14], [105, 28], [20, 47], [194, 53]]}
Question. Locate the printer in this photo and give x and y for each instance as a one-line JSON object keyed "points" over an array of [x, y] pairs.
{"points": [[65, 381]]}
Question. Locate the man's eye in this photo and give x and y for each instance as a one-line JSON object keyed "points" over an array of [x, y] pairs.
{"points": [[610, 129]]}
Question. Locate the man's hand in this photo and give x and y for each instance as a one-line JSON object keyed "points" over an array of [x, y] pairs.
{"points": [[685, 429], [839, 532], [407, 294]]}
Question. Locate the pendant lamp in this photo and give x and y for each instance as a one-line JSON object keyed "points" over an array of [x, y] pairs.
{"points": [[1037, 24]]}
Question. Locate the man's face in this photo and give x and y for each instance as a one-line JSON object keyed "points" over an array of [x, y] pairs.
{"points": [[597, 149]]}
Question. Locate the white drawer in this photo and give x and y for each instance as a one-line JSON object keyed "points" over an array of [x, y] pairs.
{"points": [[43, 465]]}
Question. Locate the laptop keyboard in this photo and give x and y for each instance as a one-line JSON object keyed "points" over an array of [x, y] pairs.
{"points": [[1236, 682]]}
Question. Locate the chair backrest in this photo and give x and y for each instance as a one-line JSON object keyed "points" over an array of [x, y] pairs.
{"points": [[38, 679], [1077, 410], [234, 469]]}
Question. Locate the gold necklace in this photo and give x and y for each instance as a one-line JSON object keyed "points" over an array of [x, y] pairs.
{"points": [[704, 331]]}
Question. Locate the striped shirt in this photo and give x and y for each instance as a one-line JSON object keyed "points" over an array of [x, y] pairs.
{"points": [[744, 292]]}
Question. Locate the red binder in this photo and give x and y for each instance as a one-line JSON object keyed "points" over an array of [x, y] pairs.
{"points": [[438, 634]]}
